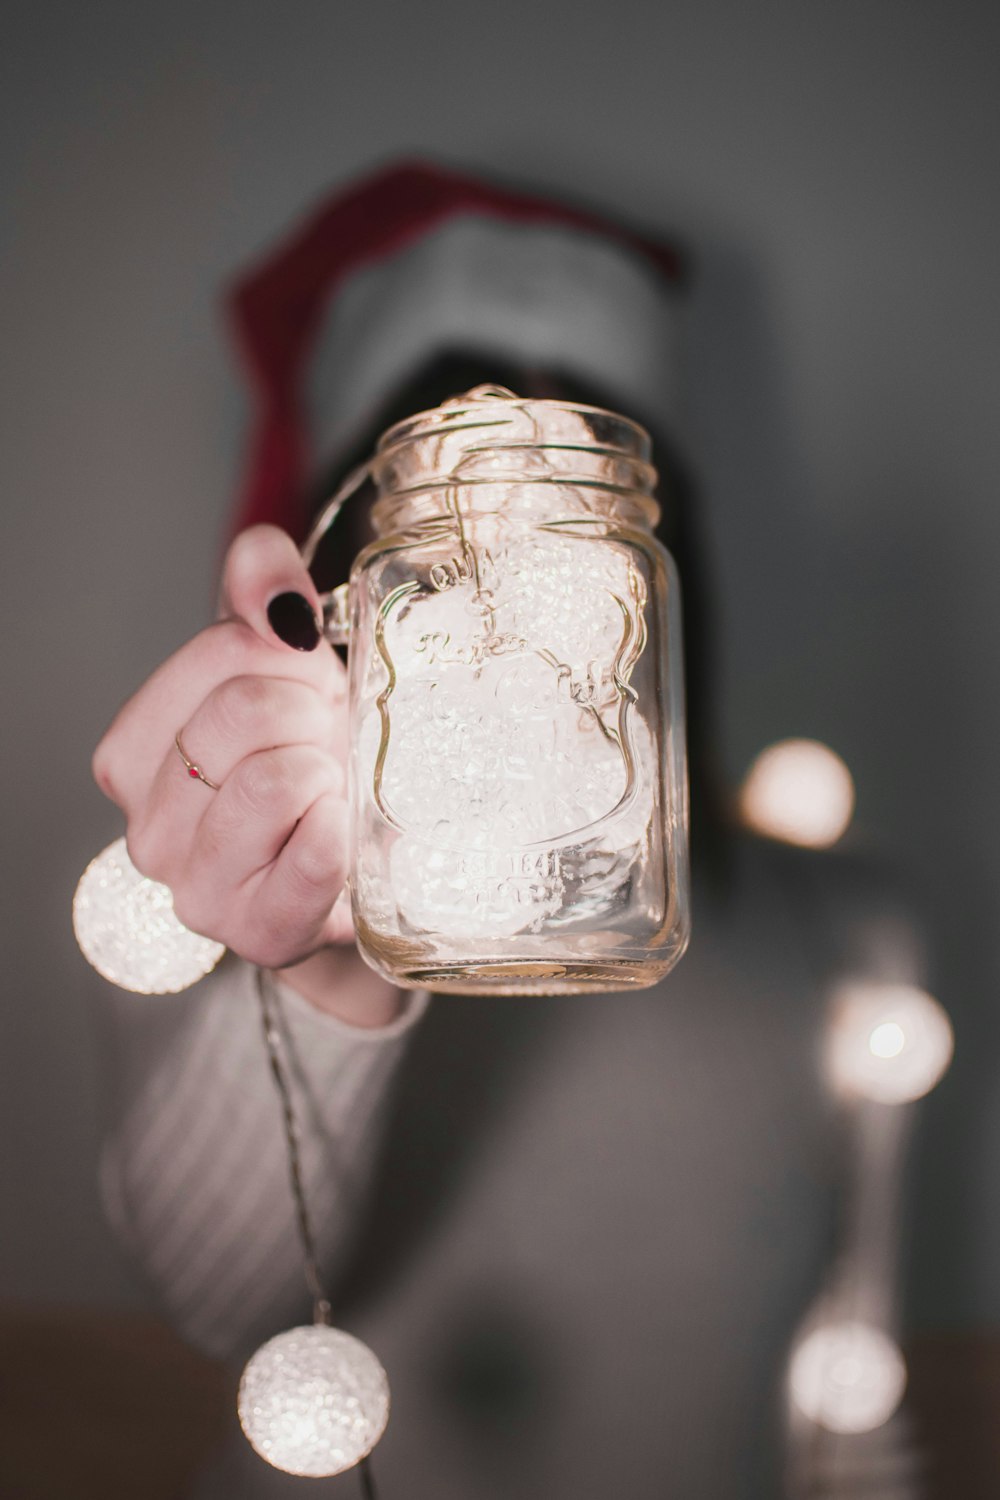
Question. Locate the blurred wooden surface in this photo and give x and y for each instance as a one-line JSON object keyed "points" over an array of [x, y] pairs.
{"points": [[99, 1405], [954, 1395]]}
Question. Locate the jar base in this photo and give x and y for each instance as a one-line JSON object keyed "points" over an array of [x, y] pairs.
{"points": [[526, 977]]}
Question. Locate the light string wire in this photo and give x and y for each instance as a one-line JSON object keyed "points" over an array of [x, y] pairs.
{"points": [[852, 1229], [314, 1280]]}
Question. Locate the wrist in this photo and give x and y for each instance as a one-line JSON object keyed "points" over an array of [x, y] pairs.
{"points": [[338, 982]]}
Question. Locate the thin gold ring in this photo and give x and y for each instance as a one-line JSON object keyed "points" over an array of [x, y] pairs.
{"points": [[193, 770]]}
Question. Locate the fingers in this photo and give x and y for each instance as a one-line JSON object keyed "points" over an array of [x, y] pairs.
{"points": [[339, 925], [244, 715], [263, 571], [255, 827], [258, 864], [266, 583], [239, 719], [251, 819], [296, 902], [258, 858], [128, 758], [293, 904]]}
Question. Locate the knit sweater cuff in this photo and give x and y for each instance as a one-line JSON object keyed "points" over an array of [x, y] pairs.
{"points": [[325, 1029]]}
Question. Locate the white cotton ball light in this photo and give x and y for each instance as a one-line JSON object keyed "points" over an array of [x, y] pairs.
{"points": [[313, 1401], [798, 791], [126, 928], [508, 753], [887, 1042], [847, 1377]]}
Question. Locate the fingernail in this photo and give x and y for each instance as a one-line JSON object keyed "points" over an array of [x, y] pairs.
{"points": [[293, 621]]}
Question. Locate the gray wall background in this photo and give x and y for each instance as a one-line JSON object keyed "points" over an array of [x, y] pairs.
{"points": [[833, 169]]}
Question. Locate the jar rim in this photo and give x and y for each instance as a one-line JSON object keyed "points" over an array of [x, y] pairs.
{"points": [[623, 469], [490, 435], [450, 416]]}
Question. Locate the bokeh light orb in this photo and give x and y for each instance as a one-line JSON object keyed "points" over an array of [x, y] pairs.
{"points": [[888, 1042], [847, 1377], [126, 928], [313, 1401], [798, 791]]}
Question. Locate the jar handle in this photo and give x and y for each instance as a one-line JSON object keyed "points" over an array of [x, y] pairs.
{"points": [[335, 604], [337, 614]]}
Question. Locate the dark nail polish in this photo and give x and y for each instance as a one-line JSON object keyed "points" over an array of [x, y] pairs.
{"points": [[293, 621]]}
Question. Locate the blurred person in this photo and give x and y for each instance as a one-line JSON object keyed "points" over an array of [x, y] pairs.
{"points": [[579, 1231]]}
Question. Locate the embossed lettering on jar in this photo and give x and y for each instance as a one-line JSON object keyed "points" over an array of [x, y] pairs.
{"points": [[519, 809]]}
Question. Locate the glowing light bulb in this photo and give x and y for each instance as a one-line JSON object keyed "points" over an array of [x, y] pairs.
{"points": [[126, 927], [313, 1401], [847, 1377], [888, 1042], [798, 791]]}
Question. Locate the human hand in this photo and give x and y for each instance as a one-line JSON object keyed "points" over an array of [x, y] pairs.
{"points": [[259, 863]]}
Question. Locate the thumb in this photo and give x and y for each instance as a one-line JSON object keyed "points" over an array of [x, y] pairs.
{"points": [[266, 583]]}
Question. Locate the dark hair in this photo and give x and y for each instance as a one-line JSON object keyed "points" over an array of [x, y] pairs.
{"points": [[451, 373]]}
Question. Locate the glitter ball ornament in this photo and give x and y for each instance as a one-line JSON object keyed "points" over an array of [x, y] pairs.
{"points": [[126, 927], [847, 1377], [313, 1401]]}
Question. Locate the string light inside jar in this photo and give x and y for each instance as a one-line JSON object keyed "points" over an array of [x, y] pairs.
{"points": [[518, 784]]}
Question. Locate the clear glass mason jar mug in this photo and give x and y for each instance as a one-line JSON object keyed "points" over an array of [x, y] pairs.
{"points": [[517, 775]]}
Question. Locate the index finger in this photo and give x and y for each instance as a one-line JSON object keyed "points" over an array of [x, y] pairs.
{"points": [[266, 583]]}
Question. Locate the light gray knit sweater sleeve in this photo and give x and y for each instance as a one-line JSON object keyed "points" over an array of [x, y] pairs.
{"points": [[195, 1170]]}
